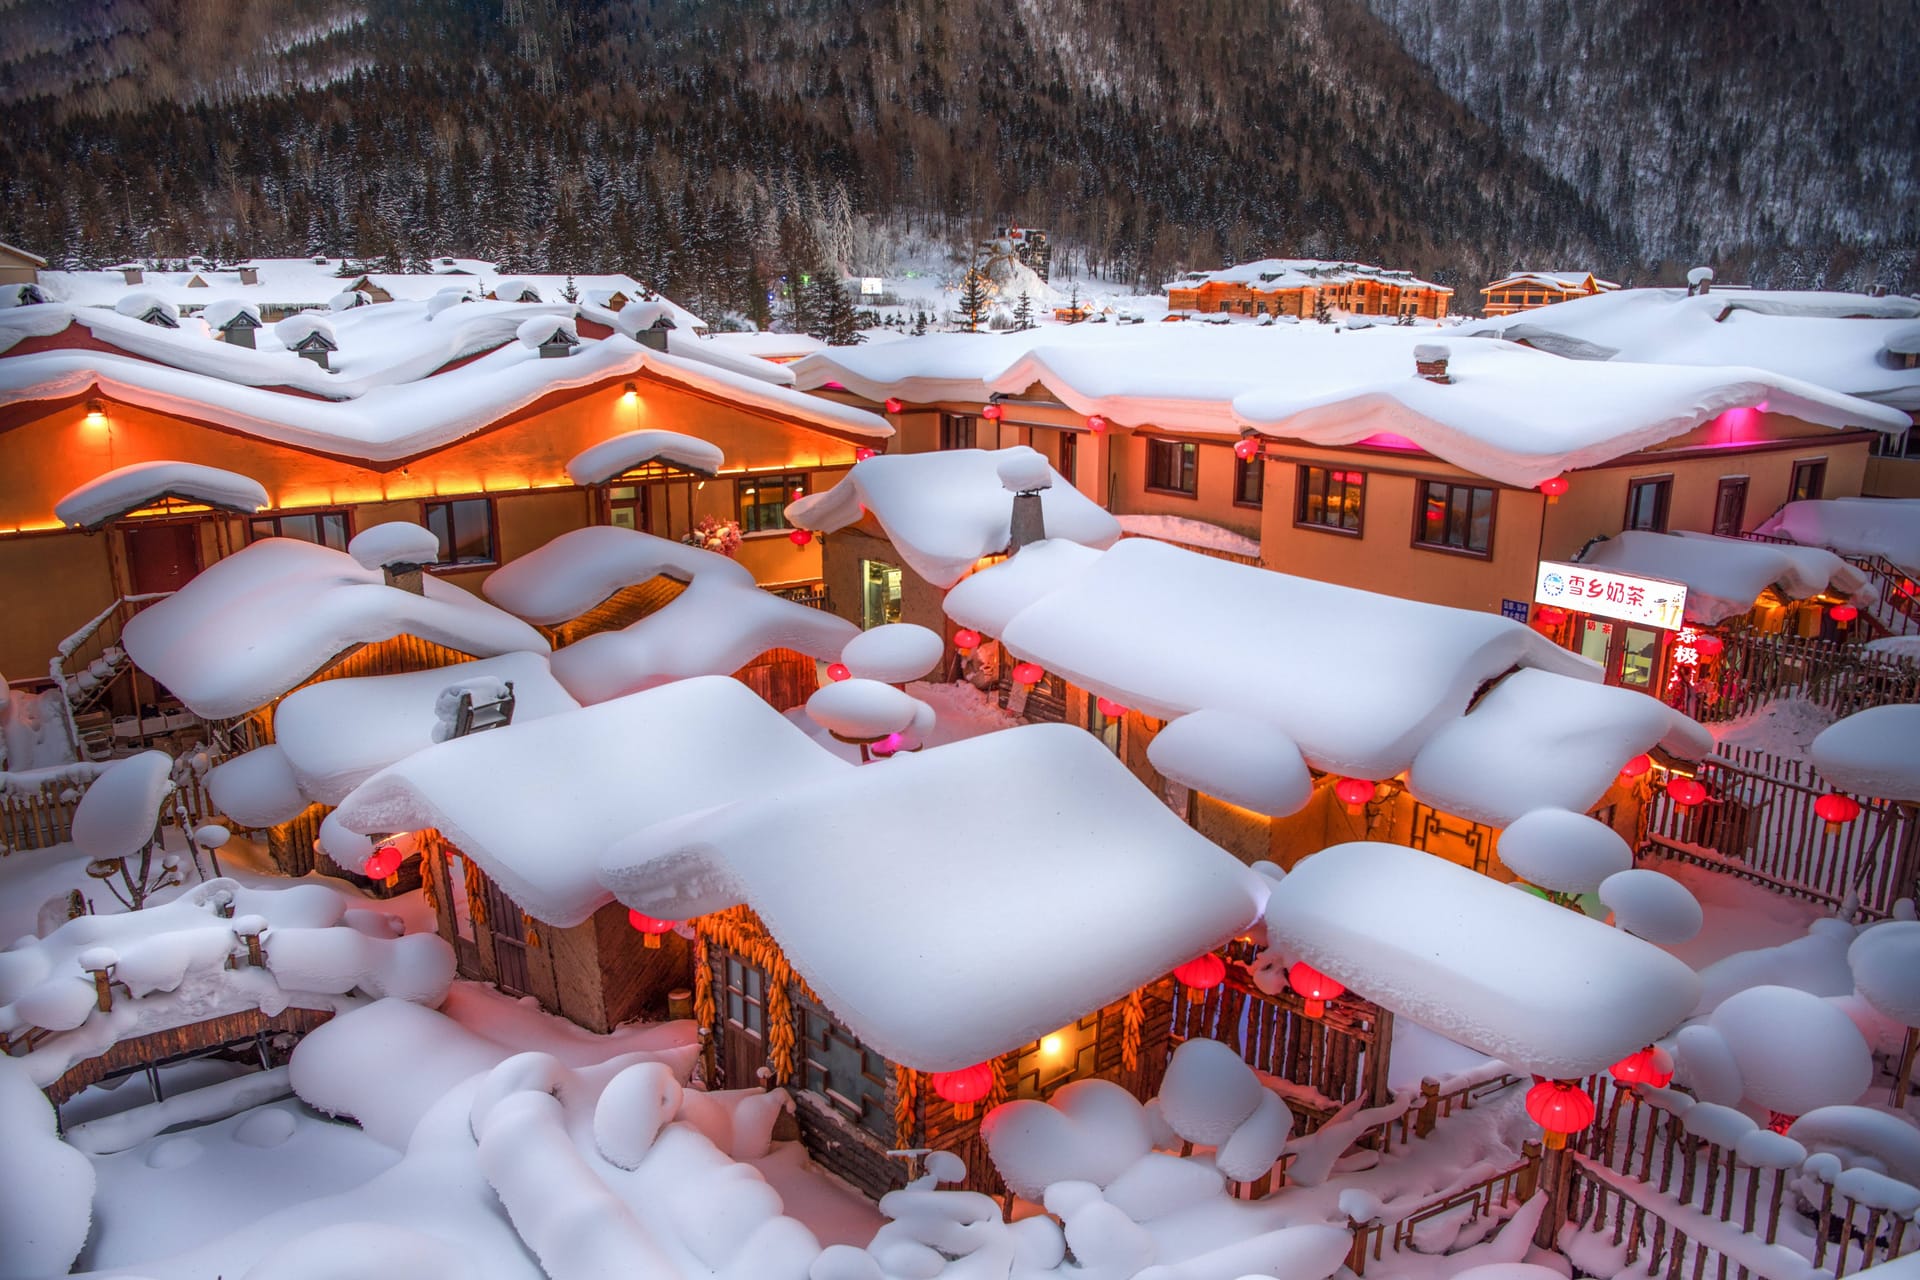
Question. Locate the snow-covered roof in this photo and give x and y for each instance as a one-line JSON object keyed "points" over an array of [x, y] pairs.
{"points": [[769, 346], [722, 621], [1832, 340], [110, 496], [944, 511], [172, 960], [1888, 527], [402, 381], [1550, 280], [630, 449], [1543, 988], [1333, 386], [537, 804], [258, 623], [1061, 885], [1873, 753], [1294, 273], [1724, 576]]}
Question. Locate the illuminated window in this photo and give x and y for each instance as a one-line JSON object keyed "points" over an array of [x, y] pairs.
{"points": [[627, 506], [1647, 502], [323, 528], [880, 602], [1454, 517], [850, 1076], [1052, 1060], [464, 527], [1330, 499], [1809, 480], [763, 501], [1173, 466]]}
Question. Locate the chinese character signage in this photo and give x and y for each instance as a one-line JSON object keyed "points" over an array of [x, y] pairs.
{"points": [[1650, 602], [1515, 609]]}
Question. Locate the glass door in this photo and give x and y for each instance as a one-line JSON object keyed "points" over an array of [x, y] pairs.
{"points": [[880, 601]]}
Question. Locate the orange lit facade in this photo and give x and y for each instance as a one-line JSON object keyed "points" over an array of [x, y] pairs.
{"points": [[1525, 290], [503, 491], [1300, 289]]}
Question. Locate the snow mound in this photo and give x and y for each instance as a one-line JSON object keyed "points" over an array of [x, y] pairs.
{"points": [[1023, 470], [1653, 906], [1864, 1136], [1885, 959], [120, 812], [363, 1251], [257, 788], [144, 483], [48, 1206], [397, 543], [602, 462], [1796, 1052], [1237, 758], [1886, 527], [1873, 753], [1562, 851], [863, 710], [541, 330], [894, 653]]}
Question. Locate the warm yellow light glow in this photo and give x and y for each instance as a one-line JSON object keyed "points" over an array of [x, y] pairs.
{"points": [[1052, 1046], [96, 413], [632, 393]]}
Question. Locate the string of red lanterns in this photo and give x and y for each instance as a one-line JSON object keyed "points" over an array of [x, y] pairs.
{"points": [[650, 928], [839, 671], [895, 404], [1560, 1108], [1686, 792], [1245, 448], [863, 453], [1842, 614], [1200, 975], [965, 1087], [1638, 767], [993, 412], [1096, 423], [1028, 673], [1110, 709], [1314, 987]]}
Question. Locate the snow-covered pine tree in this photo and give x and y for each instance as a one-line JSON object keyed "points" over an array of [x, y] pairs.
{"points": [[1023, 312], [836, 322], [973, 298], [919, 323]]}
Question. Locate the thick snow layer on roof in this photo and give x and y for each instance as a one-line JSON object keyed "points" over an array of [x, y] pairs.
{"points": [[129, 488], [1538, 986], [987, 602], [1888, 527], [863, 710], [536, 804], [1190, 533], [1795, 1051], [222, 311], [395, 543], [336, 734], [1832, 340], [1724, 576], [48, 1209], [120, 812], [1563, 851], [261, 621], [944, 511], [1872, 753], [172, 960], [1360, 681], [1069, 873], [894, 653], [256, 789], [405, 383], [1885, 959], [603, 461], [1240, 759], [1286, 273], [581, 568], [1539, 739], [1652, 905], [1551, 280], [769, 346]]}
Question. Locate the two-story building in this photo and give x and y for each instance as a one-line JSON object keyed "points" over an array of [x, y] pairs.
{"points": [[1304, 287], [1525, 290]]}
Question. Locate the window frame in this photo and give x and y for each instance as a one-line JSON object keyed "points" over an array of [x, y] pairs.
{"points": [[1256, 467], [1815, 467], [1300, 491], [1730, 484], [1421, 485], [1186, 452], [794, 484], [817, 1028], [955, 427], [275, 517], [1663, 503], [1069, 451], [493, 530]]}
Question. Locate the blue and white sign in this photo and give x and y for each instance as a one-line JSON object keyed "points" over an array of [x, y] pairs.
{"points": [[1651, 602], [1515, 609]]}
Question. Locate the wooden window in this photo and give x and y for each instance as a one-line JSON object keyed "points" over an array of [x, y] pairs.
{"points": [[627, 506], [746, 996], [1173, 466], [1809, 480], [1069, 456], [880, 593], [958, 430], [1647, 502], [1330, 498], [1249, 478], [1111, 730], [763, 501], [1730, 506], [1051, 1061], [464, 527], [850, 1076], [324, 528], [1454, 517]]}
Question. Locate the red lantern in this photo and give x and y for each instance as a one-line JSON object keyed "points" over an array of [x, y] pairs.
{"points": [[838, 672], [800, 537], [1353, 793], [993, 412], [1836, 810], [1560, 1107], [1548, 618], [1111, 709], [1096, 423], [965, 1087], [1246, 448], [1686, 792], [1200, 975], [1315, 988], [863, 453], [1637, 767], [1708, 645], [966, 640], [1842, 614], [1028, 673], [382, 863], [650, 929], [1780, 1121], [1649, 1066], [1553, 487], [895, 404]]}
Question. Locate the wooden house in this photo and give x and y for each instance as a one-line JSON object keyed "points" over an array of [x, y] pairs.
{"points": [[1303, 288], [17, 266], [1525, 290]]}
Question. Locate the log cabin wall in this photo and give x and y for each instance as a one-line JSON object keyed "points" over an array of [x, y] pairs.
{"points": [[784, 678], [396, 655]]}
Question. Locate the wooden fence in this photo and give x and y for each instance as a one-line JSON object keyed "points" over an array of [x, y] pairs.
{"points": [[1658, 1189], [1341, 1056], [1504, 1190], [1756, 668], [1758, 824], [39, 818]]}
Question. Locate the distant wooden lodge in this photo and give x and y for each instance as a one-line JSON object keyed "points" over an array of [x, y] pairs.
{"points": [[1303, 287], [1525, 290]]}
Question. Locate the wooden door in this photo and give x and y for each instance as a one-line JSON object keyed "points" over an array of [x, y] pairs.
{"points": [[743, 1021], [161, 557], [509, 935]]}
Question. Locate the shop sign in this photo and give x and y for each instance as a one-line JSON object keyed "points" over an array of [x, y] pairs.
{"points": [[1650, 602]]}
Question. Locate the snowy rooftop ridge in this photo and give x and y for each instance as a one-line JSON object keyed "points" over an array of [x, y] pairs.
{"points": [[1887, 527], [258, 623], [142, 484], [1293, 273]]}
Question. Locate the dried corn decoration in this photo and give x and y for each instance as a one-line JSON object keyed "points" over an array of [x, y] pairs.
{"points": [[906, 1106], [476, 894], [1133, 1023], [704, 1012], [531, 934], [740, 931]]}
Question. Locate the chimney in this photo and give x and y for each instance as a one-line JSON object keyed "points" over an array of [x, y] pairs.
{"points": [[1430, 362], [1700, 281], [135, 275], [1026, 475], [407, 577], [249, 275], [399, 550], [655, 338]]}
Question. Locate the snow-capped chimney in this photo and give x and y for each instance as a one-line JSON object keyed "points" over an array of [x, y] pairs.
{"points": [[399, 550], [249, 275], [135, 275], [654, 336], [1700, 281], [1026, 475], [1430, 362]]}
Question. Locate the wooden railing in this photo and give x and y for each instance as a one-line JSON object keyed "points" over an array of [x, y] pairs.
{"points": [[36, 810], [97, 641], [1341, 1056], [1758, 823], [1506, 1189], [1756, 668]]}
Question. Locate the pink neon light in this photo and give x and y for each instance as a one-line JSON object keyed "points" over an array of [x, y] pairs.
{"points": [[1387, 440]]}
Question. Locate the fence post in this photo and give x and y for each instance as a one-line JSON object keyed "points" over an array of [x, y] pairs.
{"points": [[1555, 1166], [1357, 1251], [1429, 1113]]}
